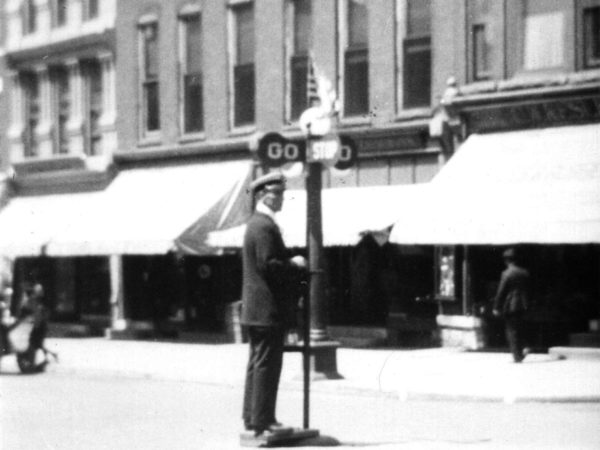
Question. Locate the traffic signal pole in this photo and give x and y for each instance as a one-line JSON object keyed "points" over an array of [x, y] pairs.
{"points": [[314, 239]]}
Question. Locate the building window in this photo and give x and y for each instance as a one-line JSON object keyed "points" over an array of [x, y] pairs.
{"points": [[30, 16], [480, 58], [59, 16], [591, 37], [149, 78], [91, 9], [63, 110], [544, 35], [299, 59], [32, 113], [482, 15], [243, 65], [417, 54], [356, 65], [191, 67], [94, 98]]}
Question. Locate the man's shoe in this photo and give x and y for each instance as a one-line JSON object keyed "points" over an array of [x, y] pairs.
{"points": [[272, 430], [278, 427]]}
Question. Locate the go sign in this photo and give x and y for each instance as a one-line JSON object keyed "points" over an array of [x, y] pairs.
{"points": [[274, 150]]}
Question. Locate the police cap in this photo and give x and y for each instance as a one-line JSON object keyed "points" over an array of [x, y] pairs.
{"points": [[273, 180]]}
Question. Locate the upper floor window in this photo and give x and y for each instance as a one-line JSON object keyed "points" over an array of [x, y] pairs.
{"points": [[191, 73], [31, 91], [59, 12], [62, 110], [91, 9], [150, 116], [243, 64], [356, 59], [30, 16], [94, 104], [481, 42], [544, 34], [417, 54], [591, 37], [299, 59]]}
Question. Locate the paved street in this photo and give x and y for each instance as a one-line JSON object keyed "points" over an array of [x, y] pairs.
{"points": [[96, 411]]}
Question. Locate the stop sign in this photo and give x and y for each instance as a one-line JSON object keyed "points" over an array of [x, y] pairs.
{"points": [[347, 153]]}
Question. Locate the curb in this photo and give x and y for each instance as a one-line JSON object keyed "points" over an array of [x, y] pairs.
{"points": [[316, 387]]}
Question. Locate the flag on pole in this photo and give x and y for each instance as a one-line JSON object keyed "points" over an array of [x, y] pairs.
{"points": [[318, 87], [312, 85]]}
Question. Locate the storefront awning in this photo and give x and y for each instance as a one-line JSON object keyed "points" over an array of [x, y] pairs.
{"points": [[145, 210], [27, 224], [533, 186], [347, 214]]}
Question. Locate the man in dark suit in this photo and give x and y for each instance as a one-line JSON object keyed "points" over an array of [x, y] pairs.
{"points": [[266, 303], [511, 302]]}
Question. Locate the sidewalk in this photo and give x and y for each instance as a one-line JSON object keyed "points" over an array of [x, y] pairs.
{"points": [[438, 373]]}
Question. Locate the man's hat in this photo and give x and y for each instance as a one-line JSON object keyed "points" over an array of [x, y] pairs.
{"points": [[509, 254], [270, 180]]}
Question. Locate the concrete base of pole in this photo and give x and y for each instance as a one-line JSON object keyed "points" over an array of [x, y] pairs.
{"points": [[323, 360]]}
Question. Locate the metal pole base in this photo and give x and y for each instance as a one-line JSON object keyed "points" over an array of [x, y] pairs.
{"points": [[247, 438]]}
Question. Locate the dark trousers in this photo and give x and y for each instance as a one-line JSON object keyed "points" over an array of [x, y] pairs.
{"points": [[513, 324], [262, 376]]}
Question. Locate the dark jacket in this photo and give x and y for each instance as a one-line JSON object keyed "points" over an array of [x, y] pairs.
{"points": [[270, 281], [513, 291]]}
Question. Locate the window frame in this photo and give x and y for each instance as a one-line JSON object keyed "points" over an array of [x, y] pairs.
{"points": [[30, 82], [480, 30], [61, 113], [581, 36], [60, 20], [94, 107], [144, 82], [515, 46], [237, 70], [347, 52], [297, 61], [188, 14], [90, 13], [30, 17], [410, 43]]}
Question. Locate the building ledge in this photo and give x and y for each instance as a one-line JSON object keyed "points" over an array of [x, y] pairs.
{"points": [[86, 46], [526, 86], [230, 147]]}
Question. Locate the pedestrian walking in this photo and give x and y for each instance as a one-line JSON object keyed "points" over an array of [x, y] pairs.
{"points": [[512, 301], [269, 275]]}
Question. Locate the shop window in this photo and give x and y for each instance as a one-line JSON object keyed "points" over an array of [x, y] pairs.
{"points": [[244, 90], [149, 79], [94, 107], [591, 37], [445, 273], [356, 65], [191, 73], [32, 113], [299, 59], [62, 112], [417, 55]]}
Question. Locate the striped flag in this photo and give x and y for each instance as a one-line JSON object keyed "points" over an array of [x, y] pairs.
{"points": [[312, 85]]}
